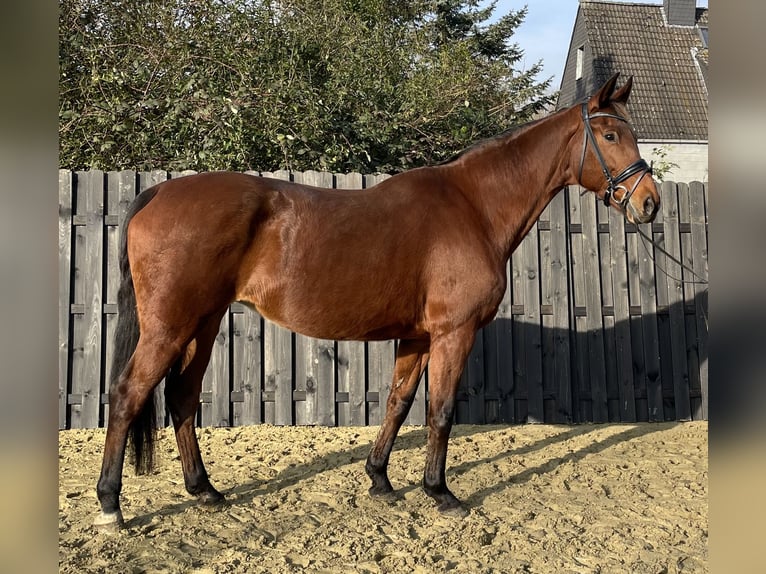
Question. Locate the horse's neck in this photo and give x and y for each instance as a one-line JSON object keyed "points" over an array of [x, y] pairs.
{"points": [[512, 180]]}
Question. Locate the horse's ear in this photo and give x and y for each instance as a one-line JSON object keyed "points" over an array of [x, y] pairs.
{"points": [[621, 95], [602, 98]]}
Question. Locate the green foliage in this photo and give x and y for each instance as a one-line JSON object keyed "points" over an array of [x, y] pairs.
{"points": [[337, 85], [661, 165]]}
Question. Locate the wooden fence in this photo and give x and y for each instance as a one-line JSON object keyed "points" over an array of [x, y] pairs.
{"points": [[594, 326]]}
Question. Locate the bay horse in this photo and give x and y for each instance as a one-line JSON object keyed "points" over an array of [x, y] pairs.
{"points": [[430, 247]]}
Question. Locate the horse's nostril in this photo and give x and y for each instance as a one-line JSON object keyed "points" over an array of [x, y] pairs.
{"points": [[649, 205]]}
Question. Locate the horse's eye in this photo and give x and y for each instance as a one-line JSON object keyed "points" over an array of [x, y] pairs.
{"points": [[610, 137]]}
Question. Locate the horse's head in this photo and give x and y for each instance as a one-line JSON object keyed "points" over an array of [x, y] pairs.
{"points": [[609, 161]]}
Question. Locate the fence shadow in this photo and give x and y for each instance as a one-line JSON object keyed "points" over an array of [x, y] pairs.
{"points": [[477, 498], [645, 367]]}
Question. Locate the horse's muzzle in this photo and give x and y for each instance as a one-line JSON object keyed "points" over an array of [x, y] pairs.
{"points": [[645, 213]]}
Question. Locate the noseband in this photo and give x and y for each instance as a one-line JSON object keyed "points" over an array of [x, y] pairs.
{"points": [[613, 183]]}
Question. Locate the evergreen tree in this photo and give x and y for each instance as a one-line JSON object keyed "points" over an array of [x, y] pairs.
{"points": [[338, 85]]}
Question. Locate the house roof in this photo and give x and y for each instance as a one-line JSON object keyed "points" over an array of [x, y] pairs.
{"points": [[669, 65]]}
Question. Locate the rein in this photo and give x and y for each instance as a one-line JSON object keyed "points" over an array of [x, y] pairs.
{"points": [[644, 239], [674, 259]]}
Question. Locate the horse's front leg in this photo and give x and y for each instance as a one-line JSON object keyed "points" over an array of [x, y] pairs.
{"points": [[448, 356], [411, 359]]}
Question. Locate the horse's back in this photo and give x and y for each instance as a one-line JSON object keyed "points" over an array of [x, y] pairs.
{"points": [[334, 264]]}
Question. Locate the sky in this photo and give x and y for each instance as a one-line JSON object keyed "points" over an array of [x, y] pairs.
{"points": [[546, 32]]}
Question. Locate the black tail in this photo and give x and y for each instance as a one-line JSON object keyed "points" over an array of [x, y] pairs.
{"points": [[143, 429]]}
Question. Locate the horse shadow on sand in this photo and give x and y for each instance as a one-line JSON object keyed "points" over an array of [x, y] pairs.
{"points": [[414, 439]]}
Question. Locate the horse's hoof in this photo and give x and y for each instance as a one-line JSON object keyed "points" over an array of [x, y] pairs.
{"points": [[109, 522], [211, 499], [456, 511], [381, 490], [381, 486], [447, 503], [387, 496]]}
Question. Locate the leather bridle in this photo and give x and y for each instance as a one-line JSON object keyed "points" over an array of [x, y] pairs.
{"points": [[613, 182]]}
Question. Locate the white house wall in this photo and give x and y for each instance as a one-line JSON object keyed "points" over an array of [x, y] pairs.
{"points": [[691, 158]]}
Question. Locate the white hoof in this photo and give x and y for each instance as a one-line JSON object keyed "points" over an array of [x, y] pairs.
{"points": [[109, 522]]}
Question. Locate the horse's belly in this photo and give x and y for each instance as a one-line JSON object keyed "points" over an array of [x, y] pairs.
{"points": [[340, 320]]}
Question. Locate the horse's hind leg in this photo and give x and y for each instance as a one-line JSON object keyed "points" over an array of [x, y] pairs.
{"points": [[182, 391], [150, 361], [411, 359]]}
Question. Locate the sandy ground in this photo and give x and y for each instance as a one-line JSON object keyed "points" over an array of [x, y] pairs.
{"points": [[542, 499]]}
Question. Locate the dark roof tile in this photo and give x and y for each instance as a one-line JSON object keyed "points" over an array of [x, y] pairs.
{"points": [[669, 63]]}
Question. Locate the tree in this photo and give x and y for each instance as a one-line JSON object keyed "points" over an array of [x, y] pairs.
{"points": [[339, 85]]}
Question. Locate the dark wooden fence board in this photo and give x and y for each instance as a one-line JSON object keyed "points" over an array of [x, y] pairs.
{"points": [[472, 385], [670, 192], [638, 374], [690, 327], [380, 373], [698, 223], [518, 335], [556, 352], [530, 249], [547, 345], [581, 395], [315, 358], [352, 382], [621, 319], [65, 299], [650, 361], [606, 268], [593, 326], [642, 311], [216, 390], [663, 316], [278, 362], [278, 375], [589, 328], [112, 226], [247, 367], [85, 395], [77, 305], [498, 362]]}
